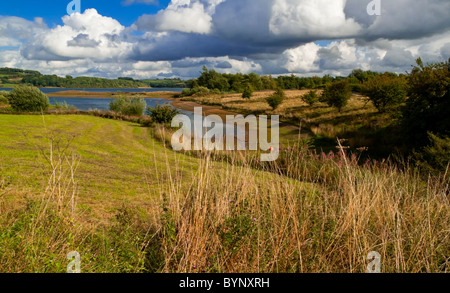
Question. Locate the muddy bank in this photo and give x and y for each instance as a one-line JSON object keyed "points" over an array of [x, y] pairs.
{"points": [[207, 110]]}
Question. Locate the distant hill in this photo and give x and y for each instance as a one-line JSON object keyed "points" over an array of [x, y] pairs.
{"points": [[13, 76]]}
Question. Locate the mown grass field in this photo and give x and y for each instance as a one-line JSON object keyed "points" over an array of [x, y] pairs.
{"points": [[117, 160]]}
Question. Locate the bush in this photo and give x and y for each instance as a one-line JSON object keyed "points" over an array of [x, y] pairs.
{"points": [[436, 156], [28, 99], [385, 92], [276, 99], [4, 98], [64, 106], [337, 94], [199, 91], [428, 104], [127, 106], [310, 98], [162, 114], [248, 92], [357, 88]]}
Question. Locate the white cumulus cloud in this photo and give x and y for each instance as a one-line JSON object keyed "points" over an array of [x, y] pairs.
{"points": [[86, 35]]}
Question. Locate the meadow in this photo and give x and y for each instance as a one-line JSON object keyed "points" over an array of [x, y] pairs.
{"points": [[360, 123], [113, 191]]}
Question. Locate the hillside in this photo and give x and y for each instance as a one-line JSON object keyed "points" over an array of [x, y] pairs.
{"points": [[166, 83], [110, 191], [10, 77]]}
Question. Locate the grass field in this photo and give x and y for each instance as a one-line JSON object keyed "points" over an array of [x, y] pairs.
{"points": [[114, 157], [109, 190], [118, 167]]}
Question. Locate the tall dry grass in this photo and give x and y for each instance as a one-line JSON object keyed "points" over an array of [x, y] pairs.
{"points": [[242, 220], [306, 212], [36, 235]]}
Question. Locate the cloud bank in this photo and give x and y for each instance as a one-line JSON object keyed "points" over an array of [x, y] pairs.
{"points": [[303, 37]]}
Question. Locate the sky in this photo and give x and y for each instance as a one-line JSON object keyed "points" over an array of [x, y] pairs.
{"points": [[166, 39]]}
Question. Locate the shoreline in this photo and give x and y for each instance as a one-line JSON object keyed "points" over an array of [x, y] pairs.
{"points": [[206, 109], [167, 95]]}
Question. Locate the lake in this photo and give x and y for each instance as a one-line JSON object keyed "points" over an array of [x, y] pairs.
{"points": [[86, 104]]}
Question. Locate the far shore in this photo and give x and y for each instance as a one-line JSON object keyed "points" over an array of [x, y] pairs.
{"points": [[108, 95]]}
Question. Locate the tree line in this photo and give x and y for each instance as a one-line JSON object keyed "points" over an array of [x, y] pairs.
{"points": [[79, 82], [238, 83], [35, 78]]}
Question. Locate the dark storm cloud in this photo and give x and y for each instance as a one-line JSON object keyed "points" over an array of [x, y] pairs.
{"points": [[397, 58], [247, 27]]}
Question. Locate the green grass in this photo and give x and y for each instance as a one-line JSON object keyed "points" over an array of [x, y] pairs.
{"points": [[116, 158], [121, 170]]}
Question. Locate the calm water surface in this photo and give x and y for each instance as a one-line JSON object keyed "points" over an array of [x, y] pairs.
{"points": [[86, 104]]}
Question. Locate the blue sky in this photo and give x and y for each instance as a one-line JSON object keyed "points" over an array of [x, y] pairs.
{"points": [[53, 11], [175, 38]]}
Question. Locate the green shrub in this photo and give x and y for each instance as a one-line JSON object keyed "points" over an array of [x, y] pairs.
{"points": [[28, 99], [117, 104], [3, 99], [310, 98], [198, 91], [64, 106], [128, 106], [337, 94], [248, 92], [427, 108], [385, 92], [276, 99], [357, 88], [435, 156], [162, 114]]}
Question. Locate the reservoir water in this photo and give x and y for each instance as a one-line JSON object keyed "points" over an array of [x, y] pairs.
{"points": [[86, 104]]}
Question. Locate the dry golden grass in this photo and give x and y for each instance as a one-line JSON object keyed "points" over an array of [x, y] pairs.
{"points": [[355, 122], [257, 103], [234, 222]]}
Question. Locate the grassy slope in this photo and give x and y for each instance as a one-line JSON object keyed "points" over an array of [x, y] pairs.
{"points": [[197, 214], [117, 159]]}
